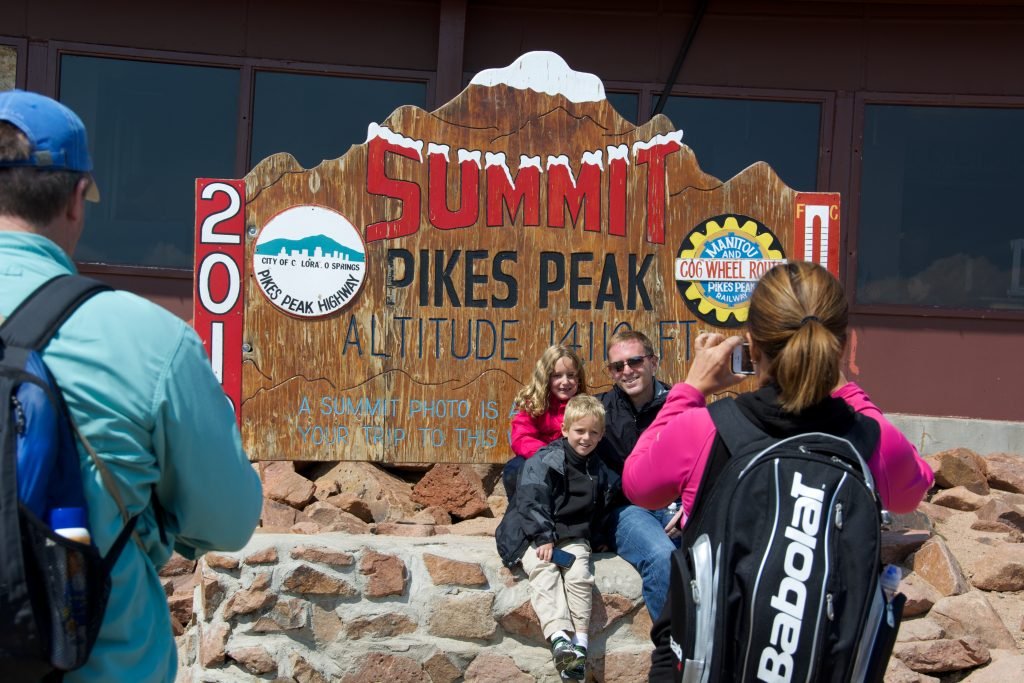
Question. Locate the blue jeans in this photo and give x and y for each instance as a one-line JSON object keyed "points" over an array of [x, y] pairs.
{"points": [[640, 539]]}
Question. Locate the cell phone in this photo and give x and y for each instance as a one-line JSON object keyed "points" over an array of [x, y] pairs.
{"points": [[562, 558], [742, 364]]}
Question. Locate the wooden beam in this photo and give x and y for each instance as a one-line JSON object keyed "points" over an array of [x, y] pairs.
{"points": [[451, 38]]}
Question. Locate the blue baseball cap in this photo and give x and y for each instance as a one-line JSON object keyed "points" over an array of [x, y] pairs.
{"points": [[55, 132]]}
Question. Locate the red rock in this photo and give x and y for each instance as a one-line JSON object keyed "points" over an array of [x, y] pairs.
{"points": [[898, 672], [934, 513], [256, 660], [331, 518], [447, 572], [995, 527], [481, 526], [177, 566], [1001, 569], [380, 626], [403, 529], [463, 616], [940, 656], [211, 595], [277, 515], [971, 615], [327, 626], [352, 504], [1003, 512], [323, 556], [387, 496], [286, 615], [304, 672], [247, 602], [935, 564], [266, 556], [212, 641], [625, 667], [495, 668], [218, 561], [959, 498], [897, 545], [260, 581], [306, 580], [430, 515], [523, 622], [282, 484], [181, 608], [456, 488], [387, 574], [379, 666], [305, 527], [920, 595], [1003, 670], [442, 669], [960, 467], [607, 610], [920, 629], [1006, 472]]}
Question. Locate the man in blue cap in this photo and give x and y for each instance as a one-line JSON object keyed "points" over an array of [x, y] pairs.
{"points": [[139, 388]]}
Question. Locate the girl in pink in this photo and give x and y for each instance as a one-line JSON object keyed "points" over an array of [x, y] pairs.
{"points": [[557, 377]]}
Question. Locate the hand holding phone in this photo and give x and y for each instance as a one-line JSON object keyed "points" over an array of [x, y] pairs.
{"points": [[742, 363], [562, 558]]}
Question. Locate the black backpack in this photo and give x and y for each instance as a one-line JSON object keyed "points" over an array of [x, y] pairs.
{"points": [[53, 590], [778, 575]]}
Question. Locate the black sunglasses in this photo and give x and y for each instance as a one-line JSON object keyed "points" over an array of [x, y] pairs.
{"points": [[634, 362]]}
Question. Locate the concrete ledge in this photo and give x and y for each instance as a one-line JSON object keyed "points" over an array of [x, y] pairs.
{"points": [[934, 434]]}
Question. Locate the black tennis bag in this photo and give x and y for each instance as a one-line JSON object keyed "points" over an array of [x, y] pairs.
{"points": [[778, 577]]}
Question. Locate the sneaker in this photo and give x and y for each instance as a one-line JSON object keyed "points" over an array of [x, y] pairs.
{"points": [[577, 669], [564, 654]]}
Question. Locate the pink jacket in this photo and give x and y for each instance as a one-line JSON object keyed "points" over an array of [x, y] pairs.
{"points": [[669, 459], [530, 433]]}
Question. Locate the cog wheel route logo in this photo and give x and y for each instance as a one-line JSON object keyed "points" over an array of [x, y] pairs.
{"points": [[718, 264], [309, 261]]}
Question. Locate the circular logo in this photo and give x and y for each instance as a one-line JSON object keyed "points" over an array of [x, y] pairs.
{"points": [[309, 261], [719, 263]]}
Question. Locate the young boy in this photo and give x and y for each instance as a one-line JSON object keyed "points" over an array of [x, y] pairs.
{"points": [[562, 495]]}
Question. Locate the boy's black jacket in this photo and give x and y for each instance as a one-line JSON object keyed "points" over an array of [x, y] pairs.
{"points": [[542, 489]]}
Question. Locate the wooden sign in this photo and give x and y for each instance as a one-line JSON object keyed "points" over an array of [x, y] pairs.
{"points": [[396, 298]]}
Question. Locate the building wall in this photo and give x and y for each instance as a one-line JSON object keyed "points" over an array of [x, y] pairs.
{"points": [[923, 360]]}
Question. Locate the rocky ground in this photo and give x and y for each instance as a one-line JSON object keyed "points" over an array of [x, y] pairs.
{"points": [[961, 553]]}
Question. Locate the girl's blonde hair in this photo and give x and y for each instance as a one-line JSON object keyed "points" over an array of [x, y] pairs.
{"points": [[533, 397], [798, 318]]}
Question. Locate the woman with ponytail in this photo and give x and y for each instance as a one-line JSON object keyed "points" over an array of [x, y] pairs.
{"points": [[797, 329]]}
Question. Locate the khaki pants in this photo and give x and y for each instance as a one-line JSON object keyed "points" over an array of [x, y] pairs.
{"points": [[561, 597]]}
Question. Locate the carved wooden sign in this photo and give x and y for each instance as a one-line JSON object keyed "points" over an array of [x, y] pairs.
{"points": [[395, 299]]}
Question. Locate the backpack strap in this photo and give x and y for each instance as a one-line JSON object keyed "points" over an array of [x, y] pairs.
{"points": [[31, 326], [738, 433], [735, 435], [34, 322]]}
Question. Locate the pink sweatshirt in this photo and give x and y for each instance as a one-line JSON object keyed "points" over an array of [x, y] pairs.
{"points": [[530, 433], [669, 459]]}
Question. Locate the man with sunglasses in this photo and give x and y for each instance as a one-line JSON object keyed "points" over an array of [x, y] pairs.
{"points": [[644, 538]]}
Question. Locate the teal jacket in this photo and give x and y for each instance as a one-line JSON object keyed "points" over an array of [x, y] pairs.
{"points": [[139, 386]]}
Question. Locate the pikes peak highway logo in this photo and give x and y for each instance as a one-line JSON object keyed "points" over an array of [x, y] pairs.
{"points": [[309, 261]]}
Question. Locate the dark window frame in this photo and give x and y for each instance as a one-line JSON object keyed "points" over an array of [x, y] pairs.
{"points": [[20, 46], [862, 99], [247, 66]]}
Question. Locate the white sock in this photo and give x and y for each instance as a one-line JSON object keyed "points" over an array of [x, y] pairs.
{"points": [[559, 634], [581, 639]]}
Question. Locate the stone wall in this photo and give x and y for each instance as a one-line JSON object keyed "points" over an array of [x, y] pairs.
{"points": [[363, 574], [361, 608]]}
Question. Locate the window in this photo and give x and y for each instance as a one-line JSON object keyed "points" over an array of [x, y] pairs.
{"points": [[319, 117], [153, 128], [8, 67], [728, 135], [938, 224]]}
